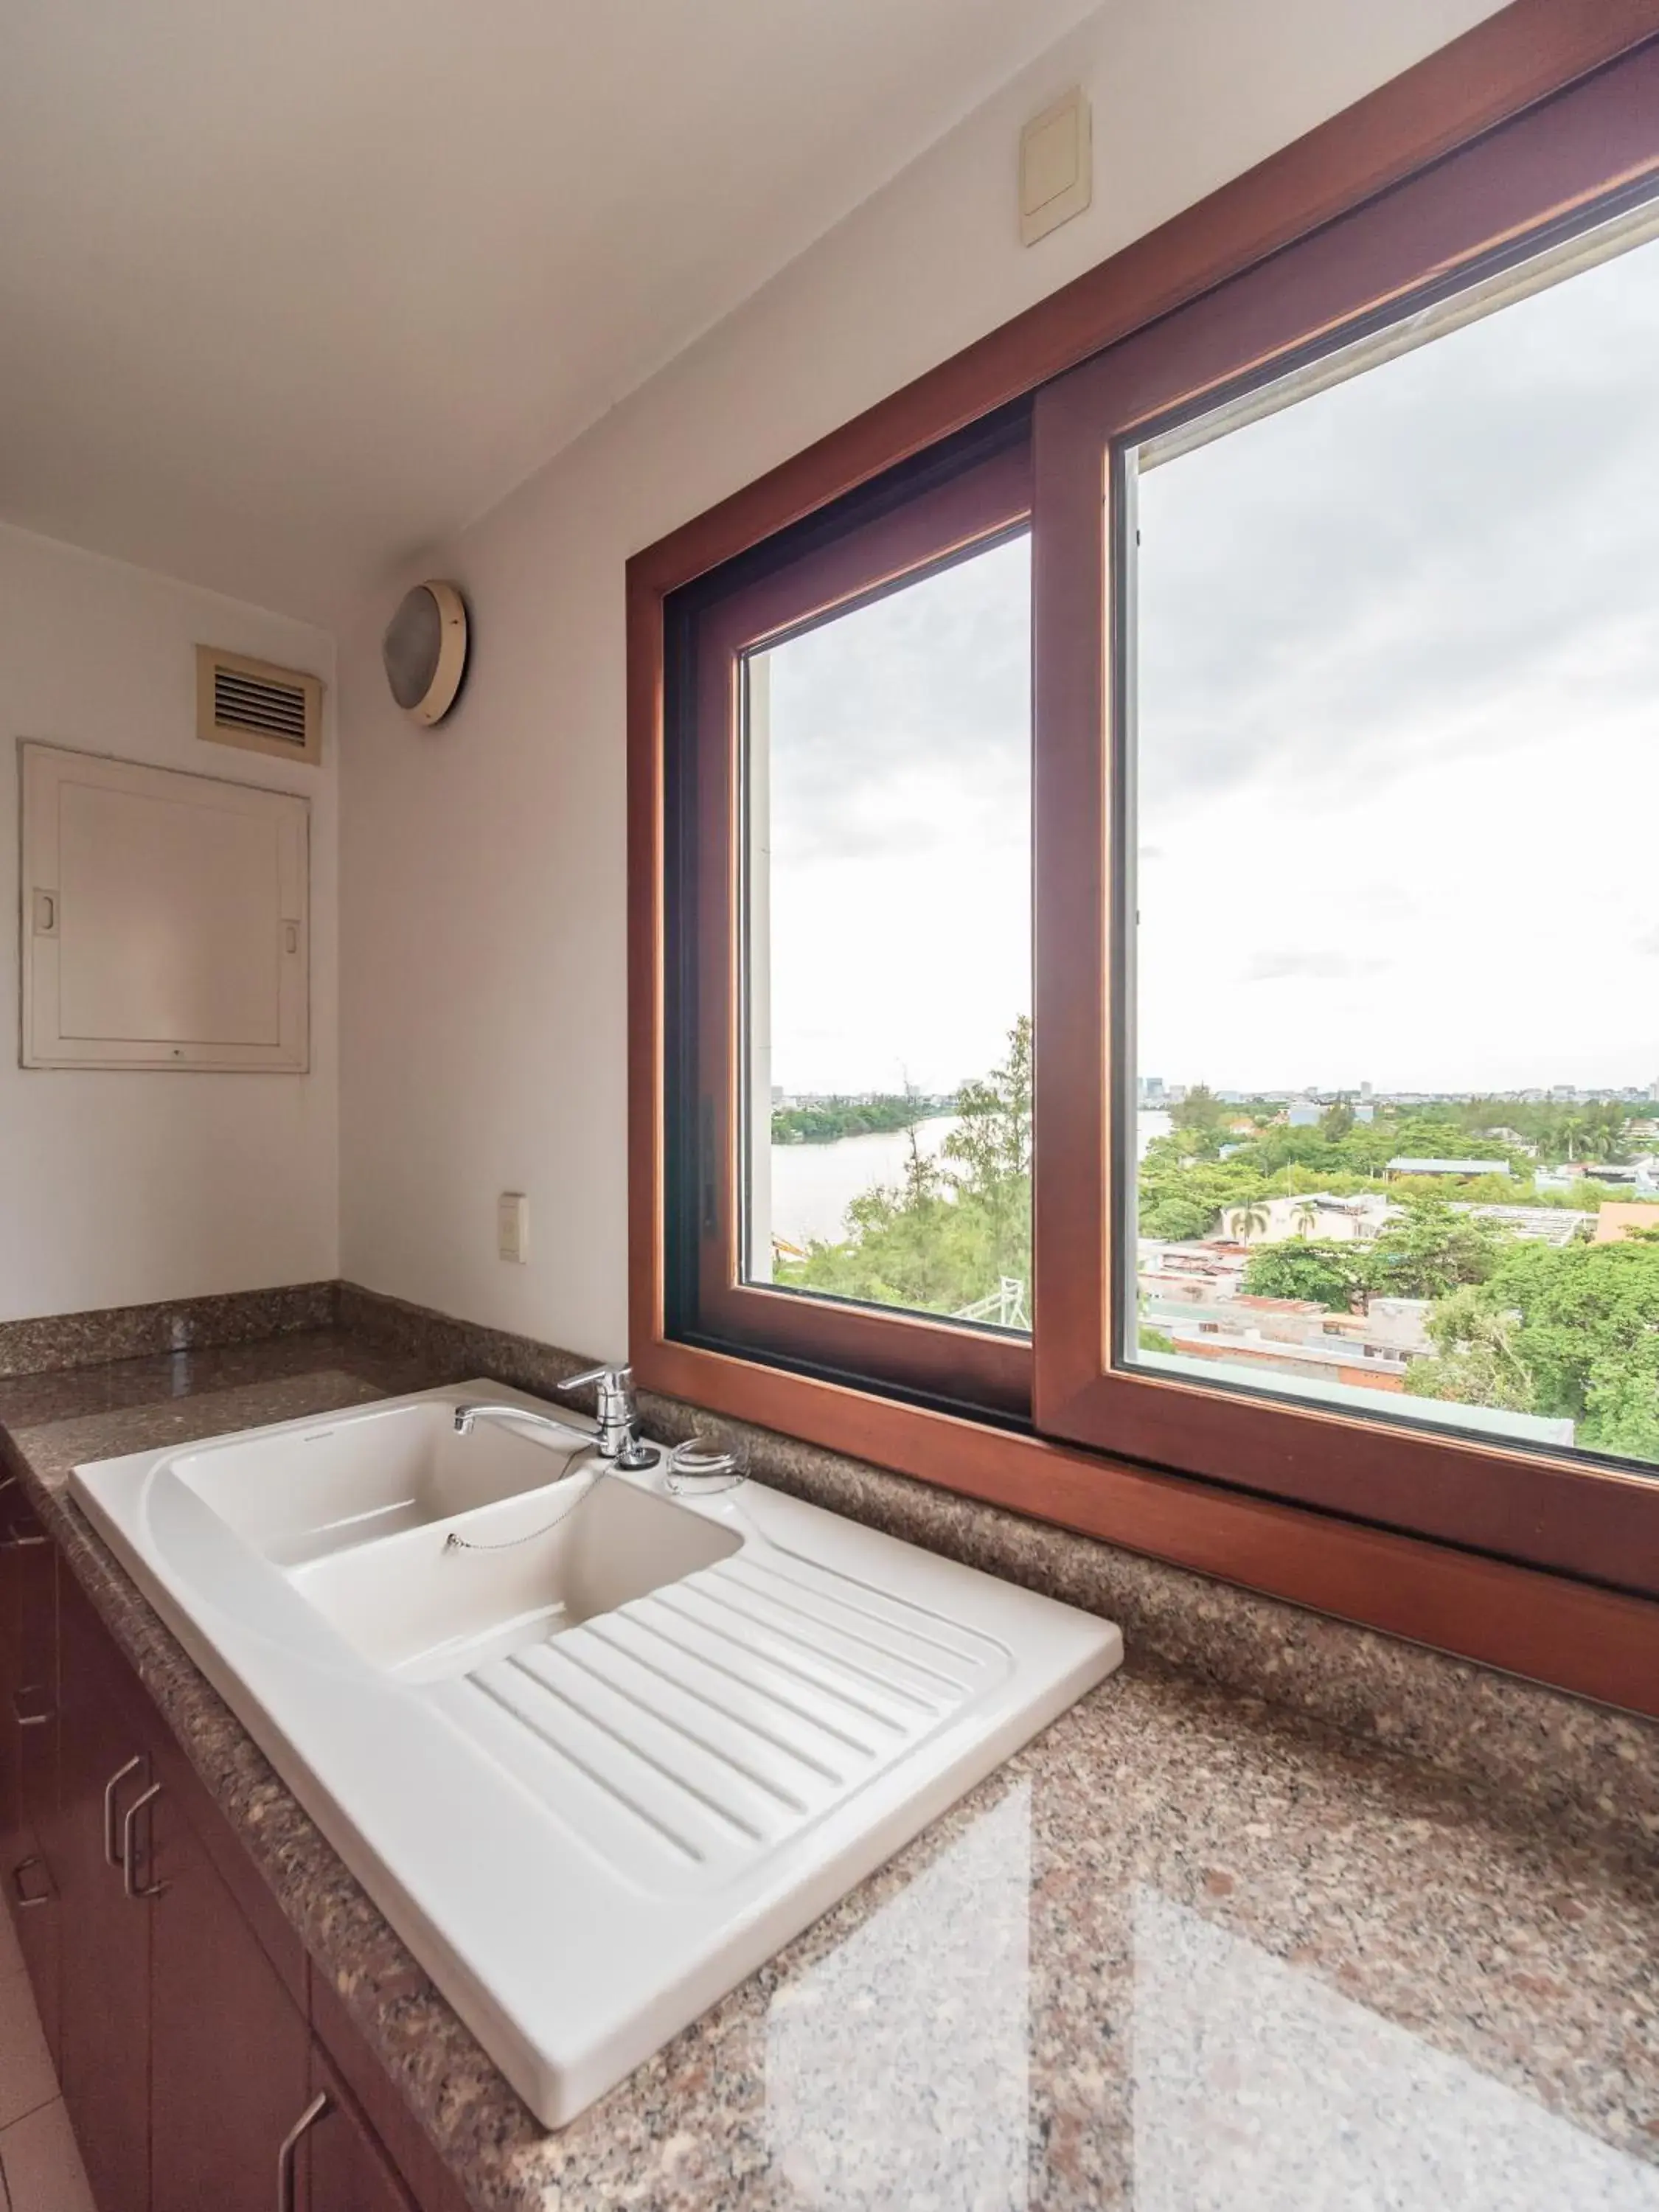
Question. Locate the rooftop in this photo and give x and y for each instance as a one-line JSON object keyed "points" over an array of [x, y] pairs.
{"points": [[1412, 1166]]}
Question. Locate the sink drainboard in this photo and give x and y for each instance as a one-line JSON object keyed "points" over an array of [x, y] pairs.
{"points": [[691, 1732]]}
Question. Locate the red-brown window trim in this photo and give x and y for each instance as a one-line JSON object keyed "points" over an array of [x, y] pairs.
{"points": [[1560, 1513], [1569, 1632], [943, 1361]]}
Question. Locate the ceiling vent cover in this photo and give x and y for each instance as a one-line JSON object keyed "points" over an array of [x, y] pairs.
{"points": [[249, 703]]}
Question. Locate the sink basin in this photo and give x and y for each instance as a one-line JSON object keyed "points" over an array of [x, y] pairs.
{"points": [[421, 1608], [596, 1752], [328, 1486]]}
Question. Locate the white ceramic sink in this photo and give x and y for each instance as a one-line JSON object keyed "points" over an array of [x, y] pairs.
{"points": [[365, 1475], [423, 1611], [600, 1760]]}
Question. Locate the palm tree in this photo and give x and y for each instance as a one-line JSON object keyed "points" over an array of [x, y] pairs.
{"points": [[1249, 1220], [1306, 1218], [1604, 1133]]}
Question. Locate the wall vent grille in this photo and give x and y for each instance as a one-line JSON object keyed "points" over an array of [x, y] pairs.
{"points": [[250, 703]]}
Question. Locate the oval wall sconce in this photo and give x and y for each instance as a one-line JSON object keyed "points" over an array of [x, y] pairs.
{"points": [[424, 650]]}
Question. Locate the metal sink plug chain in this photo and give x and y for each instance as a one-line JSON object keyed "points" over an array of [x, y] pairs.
{"points": [[601, 1466], [619, 1443]]}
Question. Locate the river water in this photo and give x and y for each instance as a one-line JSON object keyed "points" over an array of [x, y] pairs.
{"points": [[813, 1185]]}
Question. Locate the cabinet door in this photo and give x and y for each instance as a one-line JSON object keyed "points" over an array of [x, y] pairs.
{"points": [[341, 2165], [28, 1716], [28, 1744], [11, 1662], [104, 2063], [229, 2050]]}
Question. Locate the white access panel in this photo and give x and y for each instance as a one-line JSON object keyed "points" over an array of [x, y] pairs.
{"points": [[165, 918]]}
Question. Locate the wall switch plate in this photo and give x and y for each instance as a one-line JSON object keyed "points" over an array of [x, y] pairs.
{"points": [[513, 1226], [1056, 167]]}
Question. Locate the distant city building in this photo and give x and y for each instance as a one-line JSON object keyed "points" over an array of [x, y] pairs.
{"points": [[1561, 1176], [1547, 1225], [1365, 1112], [1641, 1176], [1304, 1114], [1334, 1220], [1410, 1167]]}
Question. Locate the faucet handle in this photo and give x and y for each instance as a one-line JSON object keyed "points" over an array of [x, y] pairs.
{"points": [[619, 1439], [611, 1378]]}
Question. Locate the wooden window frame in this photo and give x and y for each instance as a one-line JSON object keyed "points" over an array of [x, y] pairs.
{"points": [[973, 505], [1432, 236], [1563, 95]]}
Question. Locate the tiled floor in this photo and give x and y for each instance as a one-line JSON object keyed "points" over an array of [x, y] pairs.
{"points": [[39, 2166]]}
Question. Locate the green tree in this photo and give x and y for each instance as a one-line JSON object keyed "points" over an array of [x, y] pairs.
{"points": [[1564, 1330], [1247, 1221], [1571, 1135], [1177, 1220], [1604, 1133], [1182, 1198], [826, 1121], [937, 1242], [1479, 1360], [992, 1142], [1621, 1405], [1336, 1123], [1590, 1333], [1201, 1117], [1330, 1274], [1425, 1250]]}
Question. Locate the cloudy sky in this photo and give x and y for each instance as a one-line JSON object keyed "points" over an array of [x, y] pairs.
{"points": [[901, 833], [1399, 746]]}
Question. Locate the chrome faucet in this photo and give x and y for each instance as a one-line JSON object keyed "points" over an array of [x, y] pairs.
{"points": [[618, 1439]]}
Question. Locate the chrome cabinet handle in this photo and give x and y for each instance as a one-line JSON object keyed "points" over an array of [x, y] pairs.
{"points": [[129, 1848], [24, 1902], [289, 2152], [20, 1540], [111, 1851], [30, 1720]]}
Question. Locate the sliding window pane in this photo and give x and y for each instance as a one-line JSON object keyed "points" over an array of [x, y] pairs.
{"points": [[887, 948], [1394, 734]]}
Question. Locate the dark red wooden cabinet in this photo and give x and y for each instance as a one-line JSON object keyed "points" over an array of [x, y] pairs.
{"points": [[29, 1694], [178, 2002], [105, 1769], [344, 2165], [229, 2050]]}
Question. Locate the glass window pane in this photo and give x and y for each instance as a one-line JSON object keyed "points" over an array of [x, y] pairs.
{"points": [[1396, 736], [887, 781]]}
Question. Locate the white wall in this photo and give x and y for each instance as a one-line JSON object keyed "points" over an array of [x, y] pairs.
{"points": [[483, 984], [118, 1188]]}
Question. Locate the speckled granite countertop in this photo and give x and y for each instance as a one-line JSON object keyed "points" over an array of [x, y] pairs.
{"points": [[1185, 1952]]}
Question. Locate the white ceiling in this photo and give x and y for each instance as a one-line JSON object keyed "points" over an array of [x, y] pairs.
{"points": [[290, 291]]}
